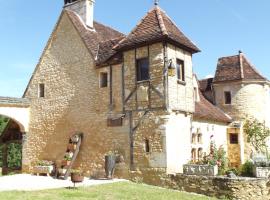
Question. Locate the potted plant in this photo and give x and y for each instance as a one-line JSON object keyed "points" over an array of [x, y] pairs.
{"points": [[72, 147], [75, 139], [67, 159], [110, 160], [43, 167], [77, 176]]}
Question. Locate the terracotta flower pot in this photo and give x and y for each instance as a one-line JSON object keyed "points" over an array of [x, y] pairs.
{"points": [[66, 162], [76, 178]]}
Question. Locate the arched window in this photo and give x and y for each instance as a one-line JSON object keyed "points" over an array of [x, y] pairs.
{"points": [[199, 138], [200, 154], [193, 155], [193, 138], [147, 146]]}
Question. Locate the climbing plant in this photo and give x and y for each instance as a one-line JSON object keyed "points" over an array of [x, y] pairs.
{"points": [[257, 134], [3, 123], [14, 155]]}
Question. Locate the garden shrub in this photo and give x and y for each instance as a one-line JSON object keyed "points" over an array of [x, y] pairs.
{"points": [[247, 169]]}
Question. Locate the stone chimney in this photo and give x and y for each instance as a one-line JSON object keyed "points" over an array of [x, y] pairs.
{"points": [[84, 8]]}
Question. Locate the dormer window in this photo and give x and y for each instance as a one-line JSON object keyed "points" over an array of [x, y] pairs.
{"points": [[41, 90], [228, 97], [142, 69], [180, 67]]}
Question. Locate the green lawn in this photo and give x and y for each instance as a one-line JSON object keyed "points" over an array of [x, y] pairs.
{"points": [[116, 191]]}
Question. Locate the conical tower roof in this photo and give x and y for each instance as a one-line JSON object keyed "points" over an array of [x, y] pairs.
{"points": [[156, 26]]}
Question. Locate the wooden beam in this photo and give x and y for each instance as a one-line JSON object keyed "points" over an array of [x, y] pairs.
{"points": [[130, 95], [139, 122], [123, 87], [158, 92], [131, 140], [111, 89]]}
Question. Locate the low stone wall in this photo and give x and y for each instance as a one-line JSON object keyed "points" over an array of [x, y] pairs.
{"points": [[221, 187]]}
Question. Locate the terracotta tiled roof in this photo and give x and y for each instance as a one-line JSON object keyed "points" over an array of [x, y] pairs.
{"points": [[106, 51], [206, 84], [204, 110], [236, 67], [156, 26], [100, 36]]}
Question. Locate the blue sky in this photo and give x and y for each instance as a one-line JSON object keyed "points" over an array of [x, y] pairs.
{"points": [[218, 27]]}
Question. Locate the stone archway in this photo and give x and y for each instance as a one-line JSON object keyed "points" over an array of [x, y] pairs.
{"points": [[11, 140], [17, 111]]}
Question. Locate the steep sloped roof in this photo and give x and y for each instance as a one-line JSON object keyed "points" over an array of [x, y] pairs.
{"points": [[106, 51], [204, 110], [206, 84], [236, 67], [93, 38], [156, 26]]}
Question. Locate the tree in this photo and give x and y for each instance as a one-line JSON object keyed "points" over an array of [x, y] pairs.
{"points": [[257, 134]]}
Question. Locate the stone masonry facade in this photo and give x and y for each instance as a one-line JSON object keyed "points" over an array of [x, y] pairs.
{"points": [[89, 77]]}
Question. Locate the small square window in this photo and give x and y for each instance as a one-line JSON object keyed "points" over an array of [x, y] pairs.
{"points": [[142, 69], [228, 97], [233, 138], [103, 80], [180, 67], [41, 90]]}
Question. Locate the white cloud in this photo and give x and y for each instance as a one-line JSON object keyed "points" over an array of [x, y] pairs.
{"points": [[209, 76]]}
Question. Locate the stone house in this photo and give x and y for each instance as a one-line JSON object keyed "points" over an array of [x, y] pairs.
{"points": [[241, 92], [135, 94]]}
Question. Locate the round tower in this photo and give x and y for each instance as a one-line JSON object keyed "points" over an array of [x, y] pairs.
{"points": [[240, 90]]}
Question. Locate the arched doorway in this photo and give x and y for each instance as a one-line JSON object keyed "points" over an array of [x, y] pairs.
{"points": [[11, 135]]}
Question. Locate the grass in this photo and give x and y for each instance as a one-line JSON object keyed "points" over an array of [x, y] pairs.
{"points": [[116, 191]]}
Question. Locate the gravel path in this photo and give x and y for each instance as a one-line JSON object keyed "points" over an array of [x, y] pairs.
{"points": [[25, 182]]}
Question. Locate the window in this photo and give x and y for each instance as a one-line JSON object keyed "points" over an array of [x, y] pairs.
{"points": [[200, 154], [199, 138], [41, 90], [193, 139], [180, 70], [193, 155], [142, 69], [233, 138], [227, 97], [147, 146], [103, 81]]}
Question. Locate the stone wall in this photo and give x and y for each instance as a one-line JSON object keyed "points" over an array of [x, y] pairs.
{"points": [[181, 95], [73, 102], [247, 100], [151, 129], [156, 65], [220, 187]]}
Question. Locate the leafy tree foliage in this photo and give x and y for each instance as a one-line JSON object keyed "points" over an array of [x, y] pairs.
{"points": [[3, 123], [14, 150], [257, 134]]}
